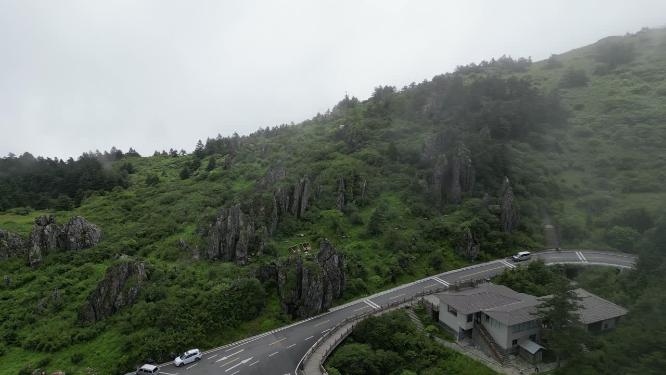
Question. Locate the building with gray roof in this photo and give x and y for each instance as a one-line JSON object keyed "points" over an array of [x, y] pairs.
{"points": [[503, 321]]}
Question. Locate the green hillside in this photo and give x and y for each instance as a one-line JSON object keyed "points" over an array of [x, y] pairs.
{"points": [[405, 184]]}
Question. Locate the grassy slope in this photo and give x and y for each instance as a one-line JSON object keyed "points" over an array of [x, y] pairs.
{"points": [[616, 124], [612, 154]]}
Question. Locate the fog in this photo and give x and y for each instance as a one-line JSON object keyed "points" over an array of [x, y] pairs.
{"points": [[81, 75]]}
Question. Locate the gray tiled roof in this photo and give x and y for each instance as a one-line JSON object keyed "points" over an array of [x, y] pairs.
{"points": [[485, 296], [515, 313], [595, 309]]}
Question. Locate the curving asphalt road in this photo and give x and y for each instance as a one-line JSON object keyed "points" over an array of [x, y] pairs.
{"points": [[280, 351]]}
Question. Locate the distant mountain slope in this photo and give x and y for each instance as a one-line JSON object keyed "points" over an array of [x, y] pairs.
{"points": [[409, 182]]}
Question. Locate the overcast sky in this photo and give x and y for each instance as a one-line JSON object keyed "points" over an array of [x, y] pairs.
{"points": [[85, 75]]}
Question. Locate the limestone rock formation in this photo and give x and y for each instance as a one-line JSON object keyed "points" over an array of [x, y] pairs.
{"points": [[231, 235], [452, 175], [119, 288], [340, 200], [79, 234], [47, 236], [509, 210], [308, 287], [11, 245], [43, 238], [301, 197], [468, 246]]}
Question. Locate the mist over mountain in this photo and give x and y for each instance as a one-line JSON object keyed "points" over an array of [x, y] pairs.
{"points": [[244, 234]]}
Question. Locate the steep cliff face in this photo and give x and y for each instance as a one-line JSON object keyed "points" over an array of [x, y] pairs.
{"points": [[308, 287], [509, 210], [43, 238], [47, 236], [468, 246], [119, 288], [452, 170], [230, 237], [301, 197], [11, 245], [79, 234]]}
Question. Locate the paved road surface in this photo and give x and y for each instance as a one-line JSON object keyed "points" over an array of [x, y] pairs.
{"points": [[279, 352]]}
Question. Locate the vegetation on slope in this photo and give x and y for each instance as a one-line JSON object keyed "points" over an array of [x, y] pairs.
{"points": [[579, 135], [391, 344]]}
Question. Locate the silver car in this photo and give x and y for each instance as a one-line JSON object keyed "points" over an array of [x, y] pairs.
{"points": [[189, 356]]}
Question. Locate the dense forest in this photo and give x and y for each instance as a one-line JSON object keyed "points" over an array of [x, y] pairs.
{"points": [[464, 167]]}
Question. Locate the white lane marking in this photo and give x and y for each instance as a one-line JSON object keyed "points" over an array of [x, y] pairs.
{"points": [[272, 354], [275, 342], [230, 362], [592, 264], [372, 304], [476, 273], [308, 338], [443, 282], [397, 296], [246, 360], [322, 323], [361, 308], [326, 330], [230, 355], [194, 365], [212, 356], [253, 363], [508, 264], [291, 346], [582, 257], [235, 372]]}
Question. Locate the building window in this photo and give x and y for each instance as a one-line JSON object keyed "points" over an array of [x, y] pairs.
{"points": [[514, 342], [451, 310], [470, 317]]}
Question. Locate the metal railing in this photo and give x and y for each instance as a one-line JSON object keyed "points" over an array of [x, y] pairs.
{"points": [[356, 319]]}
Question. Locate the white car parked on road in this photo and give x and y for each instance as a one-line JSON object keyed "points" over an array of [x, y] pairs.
{"points": [[187, 357], [147, 370], [521, 256]]}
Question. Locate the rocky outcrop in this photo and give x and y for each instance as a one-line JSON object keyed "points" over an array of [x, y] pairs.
{"points": [[231, 235], [79, 234], [452, 174], [11, 245], [308, 286], [47, 236], [509, 210], [340, 199], [44, 238], [301, 197], [468, 246], [120, 287]]}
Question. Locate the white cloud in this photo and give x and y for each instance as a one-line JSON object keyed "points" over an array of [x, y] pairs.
{"points": [[83, 75]]}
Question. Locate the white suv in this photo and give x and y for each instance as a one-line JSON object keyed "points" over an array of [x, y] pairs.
{"points": [[187, 357], [521, 256]]}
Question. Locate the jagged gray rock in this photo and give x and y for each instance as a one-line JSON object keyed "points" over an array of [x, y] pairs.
{"points": [[79, 234], [229, 238], [340, 200], [453, 174], [47, 236], [120, 287], [468, 246], [509, 210], [308, 287], [43, 238], [301, 197], [11, 245]]}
